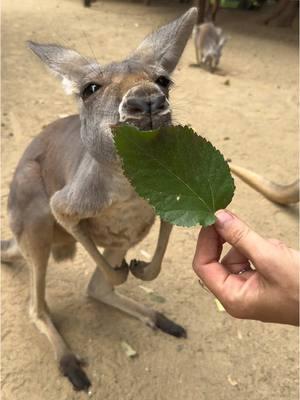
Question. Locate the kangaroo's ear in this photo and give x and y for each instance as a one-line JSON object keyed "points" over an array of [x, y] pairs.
{"points": [[165, 46], [66, 64]]}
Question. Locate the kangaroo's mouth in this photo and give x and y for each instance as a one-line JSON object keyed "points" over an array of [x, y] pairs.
{"points": [[149, 122]]}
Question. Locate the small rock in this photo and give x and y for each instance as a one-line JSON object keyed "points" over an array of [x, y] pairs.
{"points": [[227, 82], [157, 298], [145, 254], [129, 351], [146, 289], [232, 382]]}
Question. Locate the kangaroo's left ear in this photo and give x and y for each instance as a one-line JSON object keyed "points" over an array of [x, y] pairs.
{"points": [[165, 46]]}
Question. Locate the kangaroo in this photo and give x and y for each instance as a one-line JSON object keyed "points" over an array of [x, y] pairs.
{"points": [[209, 42], [281, 194], [69, 186]]}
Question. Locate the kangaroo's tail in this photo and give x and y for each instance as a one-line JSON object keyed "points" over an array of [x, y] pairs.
{"points": [[282, 194]]}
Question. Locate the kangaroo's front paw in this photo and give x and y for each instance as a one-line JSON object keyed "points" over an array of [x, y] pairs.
{"points": [[143, 270], [70, 367], [120, 274], [137, 268]]}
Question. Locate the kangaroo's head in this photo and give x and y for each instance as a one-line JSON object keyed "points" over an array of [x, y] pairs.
{"points": [[134, 91]]}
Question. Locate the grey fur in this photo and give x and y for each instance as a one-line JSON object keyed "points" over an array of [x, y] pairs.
{"points": [[209, 42], [69, 185], [63, 252], [166, 52]]}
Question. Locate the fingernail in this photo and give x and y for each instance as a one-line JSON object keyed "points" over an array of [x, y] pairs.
{"points": [[222, 218]]}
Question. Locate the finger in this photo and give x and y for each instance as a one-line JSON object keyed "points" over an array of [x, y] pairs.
{"points": [[212, 275], [276, 242], [223, 284], [235, 261], [246, 241], [209, 246], [205, 263]]}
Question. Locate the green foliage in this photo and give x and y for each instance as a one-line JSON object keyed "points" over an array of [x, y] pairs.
{"points": [[179, 173]]}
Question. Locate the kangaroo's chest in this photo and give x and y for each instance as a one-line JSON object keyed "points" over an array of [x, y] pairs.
{"points": [[123, 224]]}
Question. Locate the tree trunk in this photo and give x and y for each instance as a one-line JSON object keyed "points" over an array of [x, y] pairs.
{"points": [[201, 5]]}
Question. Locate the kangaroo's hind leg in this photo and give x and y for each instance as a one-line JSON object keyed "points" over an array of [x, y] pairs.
{"points": [[35, 246], [100, 289], [197, 49], [32, 224]]}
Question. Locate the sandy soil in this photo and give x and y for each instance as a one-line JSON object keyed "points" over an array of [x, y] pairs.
{"points": [[253, 121]]}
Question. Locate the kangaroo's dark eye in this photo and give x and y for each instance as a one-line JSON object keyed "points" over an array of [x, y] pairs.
{"points": [[163, 81], [90, 89]]}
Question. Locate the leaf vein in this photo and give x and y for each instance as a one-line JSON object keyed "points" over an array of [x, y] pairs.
{"points": [[172, 173]]}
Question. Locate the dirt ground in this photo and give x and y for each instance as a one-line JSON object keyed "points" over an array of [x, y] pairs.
{"points": [[253, 120]]}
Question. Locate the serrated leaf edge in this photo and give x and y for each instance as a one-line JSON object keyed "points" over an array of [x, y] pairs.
{"points": [[191, 131]]}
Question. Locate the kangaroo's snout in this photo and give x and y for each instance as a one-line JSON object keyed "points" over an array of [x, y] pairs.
{"points": [[145, 106], [149, 105]]}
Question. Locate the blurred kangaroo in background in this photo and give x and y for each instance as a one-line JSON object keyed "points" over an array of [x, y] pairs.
{"points": [[209, 42], [69, 186]]}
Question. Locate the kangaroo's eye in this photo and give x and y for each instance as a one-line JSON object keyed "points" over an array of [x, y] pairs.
{"points": [[90, 89], [163, 81]]}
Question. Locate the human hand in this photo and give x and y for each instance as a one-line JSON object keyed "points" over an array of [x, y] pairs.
{"points": [[270, 293]]}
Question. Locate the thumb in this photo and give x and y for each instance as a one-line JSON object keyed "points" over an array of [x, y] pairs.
{"points": [[239, 235]]}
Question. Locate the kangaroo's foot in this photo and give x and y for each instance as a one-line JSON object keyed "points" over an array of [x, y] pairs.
{"points": [[71, 367], [101, 290]]}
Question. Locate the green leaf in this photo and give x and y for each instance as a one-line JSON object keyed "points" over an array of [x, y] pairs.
{"points": [[179, 173]]}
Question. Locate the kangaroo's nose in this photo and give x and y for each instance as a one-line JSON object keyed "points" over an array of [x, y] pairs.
{"points": [[149, 105]]}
